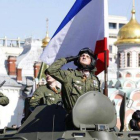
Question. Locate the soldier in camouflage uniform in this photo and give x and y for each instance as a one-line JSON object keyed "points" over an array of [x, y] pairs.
{"points": [[3, 100], [76, 82], [47, 94]]}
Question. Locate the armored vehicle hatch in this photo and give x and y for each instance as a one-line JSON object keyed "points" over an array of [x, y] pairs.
{"points": [[94, 108]]}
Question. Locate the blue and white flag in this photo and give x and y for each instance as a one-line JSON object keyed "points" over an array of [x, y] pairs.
{"points": [[85, 25]]}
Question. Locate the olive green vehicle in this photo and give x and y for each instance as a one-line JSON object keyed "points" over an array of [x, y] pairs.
{"points": [[94, 117]]}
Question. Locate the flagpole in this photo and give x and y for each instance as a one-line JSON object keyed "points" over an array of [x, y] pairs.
{"points": [[105, 75]]}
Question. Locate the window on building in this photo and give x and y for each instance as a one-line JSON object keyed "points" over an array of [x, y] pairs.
{"points": [[128, 59], [139, 60], [110, 48], [112, 36], [120, 76], [112, 25], [120, 25], [119, 60], [110, 59]]}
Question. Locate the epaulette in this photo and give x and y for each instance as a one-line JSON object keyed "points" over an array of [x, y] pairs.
{"points": [[42, 85]]}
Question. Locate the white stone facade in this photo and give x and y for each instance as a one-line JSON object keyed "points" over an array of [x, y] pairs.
{"points": [[123, 72], [114, 26], [3, 70], [26, 55], [11, 47], [129, 67], [113, 23], [13, 112], [30, 55]]}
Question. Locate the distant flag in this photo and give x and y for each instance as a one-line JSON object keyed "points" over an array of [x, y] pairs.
{"points": [[41, 73], [85, 25]]}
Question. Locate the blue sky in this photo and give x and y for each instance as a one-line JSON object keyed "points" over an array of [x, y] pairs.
{"points": [[24, 18]]}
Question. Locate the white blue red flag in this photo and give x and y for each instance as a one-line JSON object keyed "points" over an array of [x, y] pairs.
{"points": [[85, 25]]}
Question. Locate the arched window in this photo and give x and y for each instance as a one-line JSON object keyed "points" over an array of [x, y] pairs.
{"points": [[128, 75], [139, 60], [128, 59], [119, 60], [110, 48], [129, 84], [120, 76]]}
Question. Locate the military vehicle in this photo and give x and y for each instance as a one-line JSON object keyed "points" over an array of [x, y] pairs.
{"points": [[94, 117]]}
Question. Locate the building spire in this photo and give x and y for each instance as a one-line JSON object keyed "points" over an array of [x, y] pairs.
{"points": [[47, 25], [133, 10], [134, 4], [46, 40], [129, 33]]}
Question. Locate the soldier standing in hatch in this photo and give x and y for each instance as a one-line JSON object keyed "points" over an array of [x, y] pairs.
{"points": [[76, 82], [3, 100], [47, 94]]}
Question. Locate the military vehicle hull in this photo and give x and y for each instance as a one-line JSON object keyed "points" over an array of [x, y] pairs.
{"points": [[48, 122], [74, 135]]}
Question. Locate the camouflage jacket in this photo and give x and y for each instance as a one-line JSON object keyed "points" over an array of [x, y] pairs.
{"points": [[45, 95], [3, 100], [73, 83]]}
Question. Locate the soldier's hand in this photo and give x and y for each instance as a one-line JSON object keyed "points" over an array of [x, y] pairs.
{"points": [[71, 58]]}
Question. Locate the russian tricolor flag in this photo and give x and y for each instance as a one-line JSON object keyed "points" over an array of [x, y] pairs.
{"points": [[85, 25]]}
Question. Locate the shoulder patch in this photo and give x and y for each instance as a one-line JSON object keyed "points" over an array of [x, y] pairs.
{"points": [[33, 98], [42, 85]]}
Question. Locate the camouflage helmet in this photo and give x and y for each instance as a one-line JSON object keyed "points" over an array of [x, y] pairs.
{"points": [[93, 59]]}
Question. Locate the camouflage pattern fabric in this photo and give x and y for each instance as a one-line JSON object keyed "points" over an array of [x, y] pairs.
{"points": [[45, 95], [3, 100], [74, 83]]}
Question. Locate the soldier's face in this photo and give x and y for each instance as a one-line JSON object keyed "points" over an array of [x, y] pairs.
{"points": [[85, 59], [49, 79]]}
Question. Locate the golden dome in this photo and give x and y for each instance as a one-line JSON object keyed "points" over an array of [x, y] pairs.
{"points": [[45, 41], [129, 33]]}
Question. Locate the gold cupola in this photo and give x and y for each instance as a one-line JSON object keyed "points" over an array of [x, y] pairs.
{"points": [[46, 40], [129, 33]]}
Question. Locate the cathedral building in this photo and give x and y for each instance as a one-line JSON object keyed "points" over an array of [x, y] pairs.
{"points": [[127, 70]]}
